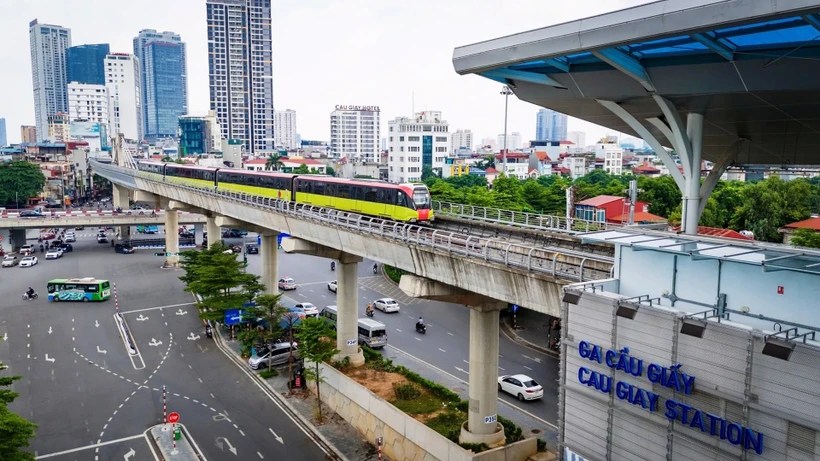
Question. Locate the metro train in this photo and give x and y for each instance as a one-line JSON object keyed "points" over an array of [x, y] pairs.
{"points": [[400, 202]]}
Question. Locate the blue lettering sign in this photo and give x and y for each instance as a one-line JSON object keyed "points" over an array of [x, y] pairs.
{"points": [[670, 377], [233, 317]]}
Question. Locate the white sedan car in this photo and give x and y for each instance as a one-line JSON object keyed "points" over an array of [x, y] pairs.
{"points": [[310, 309], [28, 261], [54, 253], [332, 286], [386, 305], [521, 386]]}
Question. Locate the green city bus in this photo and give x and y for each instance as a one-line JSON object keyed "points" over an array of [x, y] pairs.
{"points": [[84, 289]]}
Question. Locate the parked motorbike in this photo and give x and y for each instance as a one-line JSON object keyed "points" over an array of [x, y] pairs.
{"points": [[26, 296], [421, 328]]}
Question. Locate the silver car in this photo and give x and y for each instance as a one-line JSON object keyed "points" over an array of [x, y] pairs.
{"points": [[277, 354], [387, 305]]}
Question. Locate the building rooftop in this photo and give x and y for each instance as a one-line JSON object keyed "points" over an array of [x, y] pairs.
{"points": [[743, 64], [811, 223], [771, 257], [600, 200], [640, 217]]}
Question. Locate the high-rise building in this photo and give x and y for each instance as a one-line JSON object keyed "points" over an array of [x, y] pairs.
{"points": [[85, 63], [579, 138], [461, 139], [416, 143], [513, 143], [199, 135], [284, 129], [48, 71], [550, 126], [4, 141], [88, 103], [28, 134], [164, 78], [122, 77], [240, 70], [355, 133]]}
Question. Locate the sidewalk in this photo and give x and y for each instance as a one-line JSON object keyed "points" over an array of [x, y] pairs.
{"points": [[532, 330], [338, 430], [335, 430]]}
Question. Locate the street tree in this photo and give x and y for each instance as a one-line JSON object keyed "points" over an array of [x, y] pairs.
{"points": [[330, 171], [301, 169], [219, 278], [808, 238], [317, 345], [274, 162], [15, 431], [272, 311], [20, 180]]}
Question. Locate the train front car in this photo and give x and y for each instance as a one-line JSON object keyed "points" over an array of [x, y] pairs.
{"points": [[421, 201]]}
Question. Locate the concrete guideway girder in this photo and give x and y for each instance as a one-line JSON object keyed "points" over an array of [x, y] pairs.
{"points": [[147, 197], [519, 274], [482, 425], [347, 295], [687, 141]]}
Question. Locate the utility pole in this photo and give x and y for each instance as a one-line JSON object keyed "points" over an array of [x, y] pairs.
{"points": [[506, 91]]}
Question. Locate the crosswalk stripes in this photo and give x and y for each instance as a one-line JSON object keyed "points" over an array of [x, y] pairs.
{"points": [[386, 288]]}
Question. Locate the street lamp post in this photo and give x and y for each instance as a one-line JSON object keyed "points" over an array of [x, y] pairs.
{"points": [[506, 91]]}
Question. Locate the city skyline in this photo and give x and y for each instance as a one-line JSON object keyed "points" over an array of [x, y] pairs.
{"points": [[301, 78]]}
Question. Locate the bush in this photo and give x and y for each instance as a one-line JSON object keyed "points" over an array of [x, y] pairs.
{"points": [[423, 405], [268, 374], [394, 273], [475, 447], [448, 424], [435, 388], [542, 444], [341, 365], [511, 430], [406, 391]]}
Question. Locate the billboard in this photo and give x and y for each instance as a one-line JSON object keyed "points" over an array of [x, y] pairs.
{"points": [[85, 130]]}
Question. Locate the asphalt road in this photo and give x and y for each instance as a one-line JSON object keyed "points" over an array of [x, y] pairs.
{"points": [[82, 387], [446, 344]]}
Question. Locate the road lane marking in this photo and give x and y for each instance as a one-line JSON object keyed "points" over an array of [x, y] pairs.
{"points": [[465, 361], [450, 334], [528, 368], [501, 369], [240, 431], [88, 447], [442, 350], [260, 455], [417, 339], [398, 330], [158, 307]]}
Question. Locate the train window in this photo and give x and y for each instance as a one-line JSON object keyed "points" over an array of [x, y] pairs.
{"points": [[343, 190], [401, 199], [371, 194], [330, 190], [389, 196], [303, 186], [319, 188], [356, 192]]}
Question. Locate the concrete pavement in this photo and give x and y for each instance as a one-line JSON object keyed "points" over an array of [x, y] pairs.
{"points": [[83, 389]]}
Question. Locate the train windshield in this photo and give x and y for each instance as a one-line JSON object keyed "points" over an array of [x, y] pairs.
{"points": [[421, 198]]}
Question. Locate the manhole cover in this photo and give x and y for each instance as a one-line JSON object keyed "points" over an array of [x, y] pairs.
{"points": [[536, 431], [458, 389]]}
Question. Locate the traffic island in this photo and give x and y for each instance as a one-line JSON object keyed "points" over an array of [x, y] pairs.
{"points": [[174, 442]]}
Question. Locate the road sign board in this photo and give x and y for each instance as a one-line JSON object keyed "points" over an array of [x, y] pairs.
{"points": [[233, 317], [173, 417]]}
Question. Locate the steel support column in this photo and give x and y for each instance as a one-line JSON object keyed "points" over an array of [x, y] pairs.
{"points": [[691, 214]]}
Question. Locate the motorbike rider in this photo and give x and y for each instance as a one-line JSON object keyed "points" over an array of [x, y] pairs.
{"points": [[333, 265], [369, 309], [420, 323], [30, 292], [375, 267]]}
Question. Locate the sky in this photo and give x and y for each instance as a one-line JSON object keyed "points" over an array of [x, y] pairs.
{"points": [[395, 54]]}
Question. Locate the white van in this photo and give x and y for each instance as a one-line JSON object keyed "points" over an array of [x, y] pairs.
{"points": [[330, 314], [372, 332]]}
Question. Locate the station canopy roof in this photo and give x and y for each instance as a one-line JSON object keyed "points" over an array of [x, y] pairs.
{"points": [[752, 67]]}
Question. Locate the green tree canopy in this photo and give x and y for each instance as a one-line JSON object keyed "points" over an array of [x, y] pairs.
{"points": [[219, 278], [15, 431], [273, 162], [301, 169], [317, 345], [20, 180], [808, 238], [330, 171]]}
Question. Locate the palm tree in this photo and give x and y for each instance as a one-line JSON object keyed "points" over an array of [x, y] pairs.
{"points": [[274, 162]]}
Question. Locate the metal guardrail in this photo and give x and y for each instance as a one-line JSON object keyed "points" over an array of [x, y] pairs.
{"points": [[521, 219], [529, 258]]}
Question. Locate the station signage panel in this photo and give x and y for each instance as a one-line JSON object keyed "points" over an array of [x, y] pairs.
{"points": [[671, 377]]}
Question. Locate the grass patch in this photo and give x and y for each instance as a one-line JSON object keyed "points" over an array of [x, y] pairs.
{"points": [[394, 273], [448, 424], [421, 405], [268, 374]]}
